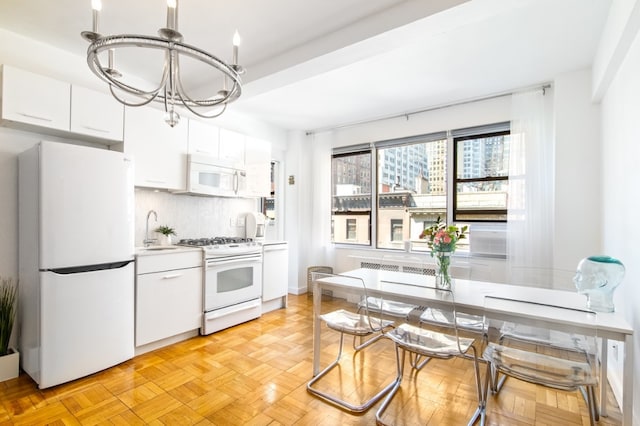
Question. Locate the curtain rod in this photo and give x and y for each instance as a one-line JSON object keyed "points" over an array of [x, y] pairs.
{"points": [[542, 87]]}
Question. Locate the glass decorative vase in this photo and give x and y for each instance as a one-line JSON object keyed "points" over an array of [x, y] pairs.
{"points": [[597, 277], [443, 274]]}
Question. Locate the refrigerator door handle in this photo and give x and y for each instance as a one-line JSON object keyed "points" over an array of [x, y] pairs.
{"points": [[89, 268]]}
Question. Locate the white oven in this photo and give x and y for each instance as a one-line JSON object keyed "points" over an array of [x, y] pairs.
{"points": [[232, 290]]}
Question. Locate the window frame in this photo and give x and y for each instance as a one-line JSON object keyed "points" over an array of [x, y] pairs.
{"points": [[455, 181], [347, 152]]}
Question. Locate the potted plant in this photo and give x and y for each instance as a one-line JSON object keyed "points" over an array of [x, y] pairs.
{"points": [[9, 358], [166, 232]]}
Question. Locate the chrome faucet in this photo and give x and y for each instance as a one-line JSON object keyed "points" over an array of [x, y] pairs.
{"points": [[147, 241]]}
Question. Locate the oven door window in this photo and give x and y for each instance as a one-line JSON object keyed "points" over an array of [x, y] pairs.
{"points": [[230, 284], [235, 279]]}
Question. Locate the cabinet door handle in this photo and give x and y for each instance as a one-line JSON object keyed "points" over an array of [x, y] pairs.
{"points": [[95, 129], [154, 181], [37, 117], [168, 277]]}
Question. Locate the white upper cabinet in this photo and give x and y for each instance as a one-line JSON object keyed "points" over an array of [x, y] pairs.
{"points": [[258, 167], [34, 100], [204, 139], [96, 114], [232, 147], [158, 150]]}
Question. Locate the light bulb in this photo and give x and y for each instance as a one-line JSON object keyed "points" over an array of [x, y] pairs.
{"points": [[96, 5], [172, 3], [236, 43]]}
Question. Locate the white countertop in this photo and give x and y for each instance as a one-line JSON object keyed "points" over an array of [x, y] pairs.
{"points": [[158, 250], [272, 242]]}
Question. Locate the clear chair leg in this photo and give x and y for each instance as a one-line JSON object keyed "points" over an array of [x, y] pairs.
{"points": [[394, 389]]}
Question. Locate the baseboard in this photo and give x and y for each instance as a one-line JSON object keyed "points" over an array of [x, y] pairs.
{"points": [[165, 342], [275, 304], [297, 290], [615, 382]]}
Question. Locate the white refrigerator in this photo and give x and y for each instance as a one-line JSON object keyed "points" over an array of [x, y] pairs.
{"points": [[76, 261]]}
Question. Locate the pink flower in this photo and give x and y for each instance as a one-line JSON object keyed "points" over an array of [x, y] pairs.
{"points": [[442, 237]]}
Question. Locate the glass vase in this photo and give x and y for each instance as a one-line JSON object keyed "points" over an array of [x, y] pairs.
{"points": [[443, 274]]}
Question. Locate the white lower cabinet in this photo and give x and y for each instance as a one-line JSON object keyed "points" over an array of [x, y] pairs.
{"points": [[275, 275], [168, 295]]}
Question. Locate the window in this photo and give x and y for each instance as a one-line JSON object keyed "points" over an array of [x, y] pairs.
{"points": [[351, 197], [396, 230], [351, 230], [415, 183], [481, 177], [414, 190]]}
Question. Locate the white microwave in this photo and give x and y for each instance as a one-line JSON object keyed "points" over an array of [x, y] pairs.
{"points": [[211, 176]]}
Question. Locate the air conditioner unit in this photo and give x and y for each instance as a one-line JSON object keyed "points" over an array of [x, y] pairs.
{"points": [[488, 241]]}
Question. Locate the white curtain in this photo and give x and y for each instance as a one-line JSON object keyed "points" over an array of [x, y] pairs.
{"points": [[530, 221]]}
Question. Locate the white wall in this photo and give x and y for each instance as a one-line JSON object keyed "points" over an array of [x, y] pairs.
{"points": [[577, 171], [297, 210], [465, 115], [621, 193]]}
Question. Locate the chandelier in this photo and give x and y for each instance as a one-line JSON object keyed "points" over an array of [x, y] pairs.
{"points": [[170, 91]]}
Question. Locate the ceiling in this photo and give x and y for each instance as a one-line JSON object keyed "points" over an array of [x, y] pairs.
{"points": [[318, 64]]}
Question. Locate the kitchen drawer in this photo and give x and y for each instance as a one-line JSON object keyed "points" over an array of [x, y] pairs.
{"points": [[167, 260]]}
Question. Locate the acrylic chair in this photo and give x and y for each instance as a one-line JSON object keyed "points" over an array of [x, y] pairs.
{"points": [[357, 324], [389, 308], [439, 342], [547, 353], [386, 307], [464, 321]]}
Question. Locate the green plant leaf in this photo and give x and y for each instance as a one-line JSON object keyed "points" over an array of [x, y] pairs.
{"points": [[166, 230], [8, 298]]}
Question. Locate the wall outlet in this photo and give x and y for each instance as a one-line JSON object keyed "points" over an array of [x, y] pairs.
{"points": [[240, 221]]}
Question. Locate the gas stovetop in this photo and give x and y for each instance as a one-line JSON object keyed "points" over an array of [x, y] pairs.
{"points": [[224, 246], [214, 241]]}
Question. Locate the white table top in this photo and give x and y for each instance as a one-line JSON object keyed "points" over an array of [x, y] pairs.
{"points": [[470, 294]]}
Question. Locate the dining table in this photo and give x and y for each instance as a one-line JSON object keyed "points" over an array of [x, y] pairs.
{"points": [[470, 297]]}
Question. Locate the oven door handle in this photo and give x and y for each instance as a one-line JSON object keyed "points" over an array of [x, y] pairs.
{"points": [[214, 263]]}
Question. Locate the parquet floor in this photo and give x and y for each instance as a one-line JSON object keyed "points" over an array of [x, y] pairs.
{"points": [[256, 374]]}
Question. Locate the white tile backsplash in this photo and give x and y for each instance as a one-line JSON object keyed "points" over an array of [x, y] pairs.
{"points": [[191, 216]]}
